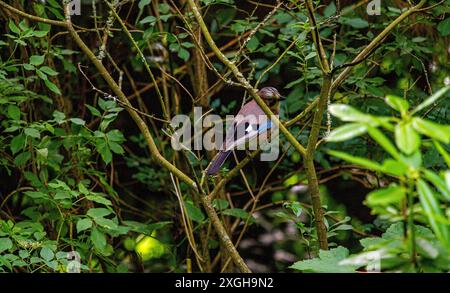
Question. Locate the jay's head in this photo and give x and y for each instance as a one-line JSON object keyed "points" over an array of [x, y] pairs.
{"points": [[270, 95]]}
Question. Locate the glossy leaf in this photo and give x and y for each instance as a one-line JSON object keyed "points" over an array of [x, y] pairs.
{"points": [[431, 129], [433, 211], [399, 104], [384, 142], [406, 138], [438, 182], [386, 196], [347, 132], [349, 114], [432, 99], [363, 162]]}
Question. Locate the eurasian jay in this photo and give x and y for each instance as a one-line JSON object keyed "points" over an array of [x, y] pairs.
{"points": [[249, 123]]}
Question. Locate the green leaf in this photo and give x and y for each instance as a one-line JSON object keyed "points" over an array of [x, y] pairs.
{"points": [[349, 114], [47, 254], [406, 138], [386, 196], [37, 60], [106, 223], [330, 9], [253, 44], [98, 212], [184, 54], [5, 244], [393, 167], [21, 159], [327, 262], [384, 142], [431, 129], [77, 121], [24, 253], [94, 111], [103, 149], [145, 229], [143, 3], [29, 67], [13, 27], [194, 213], [51, 86], [36, 194], [431, 100], [149, 19], [347, 132], [115, 135], [83, 224], [438, 182], [397, 103], [355, 22], [47, 70], [433, 211], [444, 27], [116, 148], [220, 204], [238, 213], [99, 199], [41, 75], [98, 238], [363, 162], [40, 34], [17, 143], [59, 116], [443, 152], [32, 132], [13, 112]]}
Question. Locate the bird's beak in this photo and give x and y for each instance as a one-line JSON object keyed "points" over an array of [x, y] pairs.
{"points": [[282, 98]]}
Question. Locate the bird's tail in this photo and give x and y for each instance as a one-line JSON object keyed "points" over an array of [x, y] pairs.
{"points": [[217, 162]]}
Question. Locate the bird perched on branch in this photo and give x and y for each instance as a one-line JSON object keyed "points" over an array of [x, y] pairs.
{"points": [[250, 122]]}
